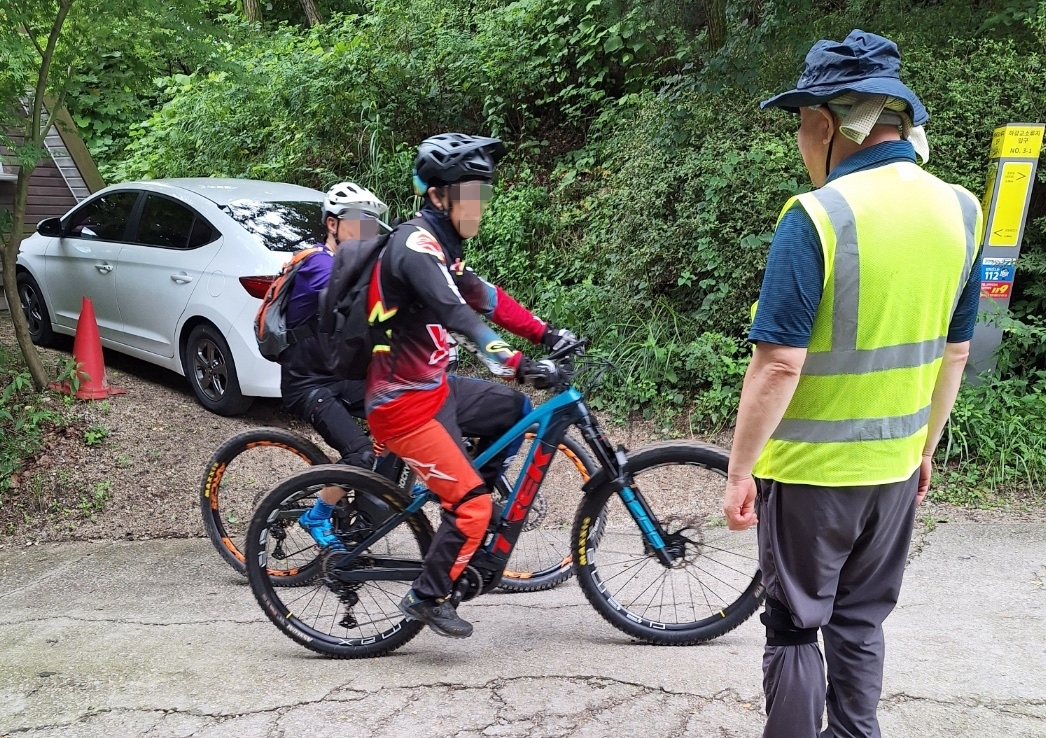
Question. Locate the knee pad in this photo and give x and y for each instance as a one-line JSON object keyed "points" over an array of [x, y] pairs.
{"points": [[317, 401], [780, 628], [473, 512], [325, 411]]}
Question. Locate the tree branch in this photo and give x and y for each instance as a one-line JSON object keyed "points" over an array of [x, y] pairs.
{"points": [[59, 103], [32, 37], [45, 68]]}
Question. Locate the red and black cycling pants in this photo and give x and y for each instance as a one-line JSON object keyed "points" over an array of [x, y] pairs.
{"points": [[436, 454]]}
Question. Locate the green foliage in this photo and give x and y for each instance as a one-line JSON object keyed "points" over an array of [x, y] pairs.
{"points": [[92, 502], [995, 444], [643, 182], [95, 435], [25, 416], [684, 202]]}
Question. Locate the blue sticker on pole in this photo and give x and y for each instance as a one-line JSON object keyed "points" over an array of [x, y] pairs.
{"points": [[998, 270]]}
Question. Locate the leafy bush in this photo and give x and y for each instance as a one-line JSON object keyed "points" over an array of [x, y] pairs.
{"points": [[25, 416], [643, 183], [995, 443]]}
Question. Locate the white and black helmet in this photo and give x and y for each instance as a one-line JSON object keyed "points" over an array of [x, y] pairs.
{"points": [[345, 197]]}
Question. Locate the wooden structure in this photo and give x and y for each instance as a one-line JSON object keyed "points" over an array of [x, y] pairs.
{"points": [[67, 176]]}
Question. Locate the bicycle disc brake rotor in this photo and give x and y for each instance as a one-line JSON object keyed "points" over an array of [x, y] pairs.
{"points": [[684, 540]]}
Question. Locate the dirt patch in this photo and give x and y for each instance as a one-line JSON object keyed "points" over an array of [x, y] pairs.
{"points": [[141, 478]]}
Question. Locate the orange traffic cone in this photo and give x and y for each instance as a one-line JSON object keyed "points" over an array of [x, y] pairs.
{"points": [[87, 353]]}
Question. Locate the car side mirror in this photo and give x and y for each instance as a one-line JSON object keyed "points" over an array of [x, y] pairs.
{"points": [[49, 227]]}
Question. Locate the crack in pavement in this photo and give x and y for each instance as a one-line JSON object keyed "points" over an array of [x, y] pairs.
{"points": [[900, 698], [218, 718], [415, 693], [260, 619]]}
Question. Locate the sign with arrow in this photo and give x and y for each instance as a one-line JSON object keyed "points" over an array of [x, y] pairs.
{"points": [[1011, 195]]}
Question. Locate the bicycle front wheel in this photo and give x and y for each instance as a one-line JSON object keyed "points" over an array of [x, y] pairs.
{"points": [[714, 584], [350, 610], [238, 474]]}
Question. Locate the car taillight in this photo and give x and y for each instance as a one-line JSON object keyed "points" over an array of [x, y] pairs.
{"points": [[257, 286]]}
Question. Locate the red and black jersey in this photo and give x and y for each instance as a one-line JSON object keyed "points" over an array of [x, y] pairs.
{"points": [[422, 290]]}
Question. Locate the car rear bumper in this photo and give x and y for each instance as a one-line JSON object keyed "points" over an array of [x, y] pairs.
{"points": [[258, 376]]}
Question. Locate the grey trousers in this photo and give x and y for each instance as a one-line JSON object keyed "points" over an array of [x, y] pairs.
{"points": [[835, 558]]}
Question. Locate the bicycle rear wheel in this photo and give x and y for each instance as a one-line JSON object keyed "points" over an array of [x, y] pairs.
{"points": [[715, 583], [541, 558], [238, 474], [351, 616]]}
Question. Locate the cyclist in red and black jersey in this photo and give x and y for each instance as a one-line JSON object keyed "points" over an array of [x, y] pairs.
{"points": [[422, 289]]}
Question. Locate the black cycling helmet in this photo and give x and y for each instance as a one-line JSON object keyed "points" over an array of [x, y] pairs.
{"points": [[454, 157]]}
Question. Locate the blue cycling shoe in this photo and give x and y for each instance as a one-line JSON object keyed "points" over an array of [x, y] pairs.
{"points": [[321, 530]]}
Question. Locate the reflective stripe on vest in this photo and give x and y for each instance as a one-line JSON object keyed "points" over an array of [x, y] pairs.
{"points": [[860, 412]]}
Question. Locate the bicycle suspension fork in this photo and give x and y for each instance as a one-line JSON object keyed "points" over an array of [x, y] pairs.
{"points": [[615, 462]]}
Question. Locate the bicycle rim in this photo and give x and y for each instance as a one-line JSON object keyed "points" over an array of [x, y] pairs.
{"points": [[326, 615], [713, 587], [238, 474]]}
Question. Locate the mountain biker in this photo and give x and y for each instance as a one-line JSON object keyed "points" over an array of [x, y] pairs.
{"points": [[309, 389], [422, 289]]}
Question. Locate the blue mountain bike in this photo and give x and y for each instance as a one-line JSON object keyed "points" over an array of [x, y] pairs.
{"points": [[648, 542]]}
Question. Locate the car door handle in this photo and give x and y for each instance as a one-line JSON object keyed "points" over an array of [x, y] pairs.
{"points": [[181, 278], [104, 268]]}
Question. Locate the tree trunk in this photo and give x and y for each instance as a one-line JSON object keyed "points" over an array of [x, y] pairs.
{"points": [[35, 133], [715, 11], [8, 258], [312, 13], [252, 9]]}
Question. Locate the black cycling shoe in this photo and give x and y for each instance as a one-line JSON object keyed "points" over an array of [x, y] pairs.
{"points": [[441, 617]]}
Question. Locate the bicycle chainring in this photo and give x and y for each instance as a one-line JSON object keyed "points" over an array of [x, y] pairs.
{"points": [[468, 586]]}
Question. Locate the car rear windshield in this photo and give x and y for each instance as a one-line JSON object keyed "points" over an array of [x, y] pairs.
{"points": [[281, 226]]}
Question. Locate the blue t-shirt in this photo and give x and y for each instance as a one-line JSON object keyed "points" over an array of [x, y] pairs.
{"points": [[794, 276]]}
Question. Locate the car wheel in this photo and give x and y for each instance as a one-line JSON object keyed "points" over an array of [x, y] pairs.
{"points": [[211, 371], [35, 310]]}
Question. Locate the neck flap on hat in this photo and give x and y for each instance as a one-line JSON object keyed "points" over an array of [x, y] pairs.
{"points": [[860, 113]]}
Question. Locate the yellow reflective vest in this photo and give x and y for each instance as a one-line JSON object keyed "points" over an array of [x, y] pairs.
{"points": [[898, 247]]}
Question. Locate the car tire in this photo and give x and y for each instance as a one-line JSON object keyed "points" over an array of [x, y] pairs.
{"points": [[211, 372], [35, 310]]}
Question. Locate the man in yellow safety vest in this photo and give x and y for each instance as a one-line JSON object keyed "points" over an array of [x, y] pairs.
{"points": [[862, 332]]}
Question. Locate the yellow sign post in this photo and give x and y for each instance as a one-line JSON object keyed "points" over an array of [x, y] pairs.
{"points": [[1012, 164]]}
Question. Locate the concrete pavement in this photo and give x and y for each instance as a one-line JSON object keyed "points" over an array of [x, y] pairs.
{"points": [[160, 639]]}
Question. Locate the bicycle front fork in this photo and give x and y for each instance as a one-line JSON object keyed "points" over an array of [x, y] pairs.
{"points": [[615, 464]]}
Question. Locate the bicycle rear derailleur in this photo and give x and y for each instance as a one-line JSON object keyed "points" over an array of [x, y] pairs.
{"points": [[345, 591]]}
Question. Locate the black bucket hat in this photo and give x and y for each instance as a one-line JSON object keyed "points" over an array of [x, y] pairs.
{"points": [[863, 63]]}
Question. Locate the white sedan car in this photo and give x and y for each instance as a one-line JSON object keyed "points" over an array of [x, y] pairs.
{"points": [[176, 270]]}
